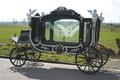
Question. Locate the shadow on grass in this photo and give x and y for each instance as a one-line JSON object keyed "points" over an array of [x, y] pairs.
{"points": [[39, 72]]}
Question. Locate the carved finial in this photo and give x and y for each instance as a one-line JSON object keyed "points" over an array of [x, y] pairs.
{"points": [[30, 13], [94, 16], [61, 8], [101, 17]]}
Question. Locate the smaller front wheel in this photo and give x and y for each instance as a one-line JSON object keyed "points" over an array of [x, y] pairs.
{"points": [[33, 55], [17, 57]]}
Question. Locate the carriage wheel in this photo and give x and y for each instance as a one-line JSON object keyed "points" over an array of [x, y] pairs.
{"points": [[89, 61], [33, 55], [17, 57], [104, 53]]}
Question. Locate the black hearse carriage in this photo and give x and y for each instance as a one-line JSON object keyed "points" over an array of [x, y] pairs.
{"points": [[66, 31]]}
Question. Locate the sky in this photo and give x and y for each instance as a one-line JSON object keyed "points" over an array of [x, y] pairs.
{"points": [[17, 9]]}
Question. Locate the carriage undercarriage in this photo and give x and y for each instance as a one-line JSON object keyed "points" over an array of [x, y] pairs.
{"points": [[50, 34]]}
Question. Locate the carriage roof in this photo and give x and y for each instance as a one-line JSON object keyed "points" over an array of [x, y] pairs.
{"points": [[61, 13]]}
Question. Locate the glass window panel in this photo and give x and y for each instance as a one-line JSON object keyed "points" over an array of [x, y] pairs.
{"points": [[66, 30]]}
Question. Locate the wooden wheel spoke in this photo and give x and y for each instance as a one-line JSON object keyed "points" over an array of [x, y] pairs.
{"points": [[82, 57], [85, 67], [92, 68], [20, 62], [82, 64], [81, 61], [94, 65], [17, 62], [96, 61], [14, 61]]}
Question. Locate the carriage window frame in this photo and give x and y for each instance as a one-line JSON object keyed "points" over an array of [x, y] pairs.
{"points": [[50, 21]]}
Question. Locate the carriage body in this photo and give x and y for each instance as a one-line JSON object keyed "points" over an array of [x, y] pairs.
{"points": [[61, 31]]}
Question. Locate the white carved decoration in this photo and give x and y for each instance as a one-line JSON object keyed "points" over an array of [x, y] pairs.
{"points": [[30, 13], [67, 31]]}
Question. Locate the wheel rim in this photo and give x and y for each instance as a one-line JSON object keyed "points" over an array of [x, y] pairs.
{"points": [[89, 61], [104, 53], [17, 57]]}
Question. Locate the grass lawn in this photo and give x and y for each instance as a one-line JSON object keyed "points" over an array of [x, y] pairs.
{"points": [[6, 31], [108, 39]]}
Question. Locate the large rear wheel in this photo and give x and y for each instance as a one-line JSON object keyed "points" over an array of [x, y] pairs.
{"points": [[104, 52], [89, 61]]}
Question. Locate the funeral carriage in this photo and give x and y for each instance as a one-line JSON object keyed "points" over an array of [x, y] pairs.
{"points": [[64, 31]]}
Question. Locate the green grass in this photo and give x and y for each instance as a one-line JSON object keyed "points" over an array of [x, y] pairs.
{"points": [[108, 39], [6, 31]]}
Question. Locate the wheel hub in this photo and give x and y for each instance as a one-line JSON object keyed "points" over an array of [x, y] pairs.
{"points": [[89, 60]]}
